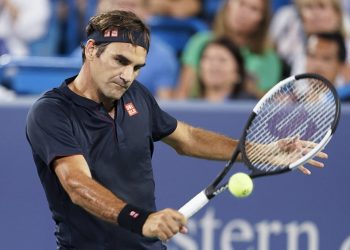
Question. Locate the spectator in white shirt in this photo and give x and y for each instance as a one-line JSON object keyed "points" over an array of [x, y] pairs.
{"points": [[21, 23]]}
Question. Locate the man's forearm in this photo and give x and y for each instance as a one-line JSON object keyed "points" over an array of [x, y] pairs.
{"points": [[94, 198], [210, 145], [197, 142]]}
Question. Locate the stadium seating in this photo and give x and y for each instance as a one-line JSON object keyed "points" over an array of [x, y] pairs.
{"points": [[34, 75], [176, 32]]}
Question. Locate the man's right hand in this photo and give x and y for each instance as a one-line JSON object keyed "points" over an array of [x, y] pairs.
{"points": [[164, 224]]}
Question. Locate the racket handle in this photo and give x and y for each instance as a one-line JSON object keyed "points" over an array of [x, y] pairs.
{"points": [[194, 205]]}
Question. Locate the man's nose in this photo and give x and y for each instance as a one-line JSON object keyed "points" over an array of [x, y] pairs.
{"points": [[127, 74]]}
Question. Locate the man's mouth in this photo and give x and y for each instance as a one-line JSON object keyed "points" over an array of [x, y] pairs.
{"points": [[124, 86]]}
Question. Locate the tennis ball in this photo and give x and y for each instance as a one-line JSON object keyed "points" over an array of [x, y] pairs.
{"points": [[240, 185]]}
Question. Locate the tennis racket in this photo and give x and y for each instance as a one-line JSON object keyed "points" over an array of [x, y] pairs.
{"points": [[288, 126]]}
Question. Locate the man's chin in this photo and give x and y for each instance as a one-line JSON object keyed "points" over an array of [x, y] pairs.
{"points": [[114, 93], [116, 96]]}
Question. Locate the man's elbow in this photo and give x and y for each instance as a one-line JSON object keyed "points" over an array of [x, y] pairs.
{"points": [[181, 149], [73, 188]]}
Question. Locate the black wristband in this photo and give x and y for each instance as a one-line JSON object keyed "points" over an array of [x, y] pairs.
{"points": [[133, 218]]}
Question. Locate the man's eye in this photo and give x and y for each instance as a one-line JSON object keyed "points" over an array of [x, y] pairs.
{"points": [[121, 62]]}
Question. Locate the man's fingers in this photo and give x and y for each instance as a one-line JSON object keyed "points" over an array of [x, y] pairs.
{"points": [[180, 218], [162, 236], [308, 144], [322, 155], [170, 230], [184, 230], [319, 154], [304, 170], [316, 163], [165, 224], [175, 222]]}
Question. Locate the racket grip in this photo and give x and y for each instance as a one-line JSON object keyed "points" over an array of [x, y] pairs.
{"points": [[194, 205]]}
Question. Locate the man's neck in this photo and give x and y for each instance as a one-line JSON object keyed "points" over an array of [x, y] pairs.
{"points": [[84, 87]]}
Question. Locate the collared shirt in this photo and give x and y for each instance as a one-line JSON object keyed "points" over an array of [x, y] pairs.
{"points": [[118, 152]]}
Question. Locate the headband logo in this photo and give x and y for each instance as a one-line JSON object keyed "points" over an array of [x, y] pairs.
{"points": [[111, 33], [119, 35]]}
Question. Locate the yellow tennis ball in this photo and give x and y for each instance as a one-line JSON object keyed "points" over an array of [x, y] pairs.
{"points": [[240, 185]]}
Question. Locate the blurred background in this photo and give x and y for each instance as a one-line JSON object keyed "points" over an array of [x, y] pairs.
{"points": [[208, 64]]}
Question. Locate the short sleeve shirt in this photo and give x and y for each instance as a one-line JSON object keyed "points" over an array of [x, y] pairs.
{"points": [[118, 152]]}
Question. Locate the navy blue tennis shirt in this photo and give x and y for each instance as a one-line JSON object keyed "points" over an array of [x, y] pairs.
{"points": [[118, 152]]}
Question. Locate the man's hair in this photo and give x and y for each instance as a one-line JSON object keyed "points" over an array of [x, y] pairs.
{"points": [[117, 19], [337, 38]]}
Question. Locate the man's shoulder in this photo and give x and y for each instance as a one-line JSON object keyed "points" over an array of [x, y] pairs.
{"points": [[140, 93], [50, 101], [138, 88]]}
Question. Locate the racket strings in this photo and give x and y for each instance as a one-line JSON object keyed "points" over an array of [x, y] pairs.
{"points": [[299, 111], [286, 122], [313, 107], [267, 155], [315, 115]]}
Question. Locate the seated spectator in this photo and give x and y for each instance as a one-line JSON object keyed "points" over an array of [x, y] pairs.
{"points": [[326, 55], [21, 23], [276, 4], [221, 74], [245, 23], [177, 9], [346, 6], [72, 15], [160, 73], [292, 24], [209, 9]]}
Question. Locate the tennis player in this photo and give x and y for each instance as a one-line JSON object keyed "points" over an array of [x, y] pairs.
{"points": [[92, 140]]}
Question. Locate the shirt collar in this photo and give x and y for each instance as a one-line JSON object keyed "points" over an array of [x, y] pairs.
{"points": [[77, 99]]}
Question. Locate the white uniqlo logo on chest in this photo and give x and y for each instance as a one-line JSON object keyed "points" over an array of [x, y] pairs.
{"points": [[130, 108]]}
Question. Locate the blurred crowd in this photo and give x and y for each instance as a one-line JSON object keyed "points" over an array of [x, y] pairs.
{"points": [[216, 50]]}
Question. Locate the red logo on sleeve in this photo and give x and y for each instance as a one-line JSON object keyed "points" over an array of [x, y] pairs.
{"points": [[130, 108]]}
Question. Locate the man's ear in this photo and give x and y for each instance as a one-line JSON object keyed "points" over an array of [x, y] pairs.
{"points": [[90, 49]]}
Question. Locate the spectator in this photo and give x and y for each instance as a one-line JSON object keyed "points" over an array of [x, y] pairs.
{"points": [[160, 72], [292, 24], [209, 9], [346, 6], [178, 8], [221, 73], [245, 23], [73, 15], [326, 55], [21, 23], [276, 4]]}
